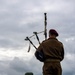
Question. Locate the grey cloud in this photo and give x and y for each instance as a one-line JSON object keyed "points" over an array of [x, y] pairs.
{"points": [[68, 67], [11, 29], [19, 67], [19, 18]]}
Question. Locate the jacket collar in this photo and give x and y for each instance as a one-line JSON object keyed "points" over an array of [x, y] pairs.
{"points": [[52, 38]]}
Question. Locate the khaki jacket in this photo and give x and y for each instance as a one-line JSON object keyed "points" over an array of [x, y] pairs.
{"points": [[52, 49]]}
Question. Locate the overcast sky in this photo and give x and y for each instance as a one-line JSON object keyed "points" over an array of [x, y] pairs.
{"points": [[20, 18]]}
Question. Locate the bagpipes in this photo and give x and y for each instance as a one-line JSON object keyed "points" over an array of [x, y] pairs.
{"points": [[36, 33]]}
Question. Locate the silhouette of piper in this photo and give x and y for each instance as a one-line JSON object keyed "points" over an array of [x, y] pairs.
{"points": [[51, 53]]}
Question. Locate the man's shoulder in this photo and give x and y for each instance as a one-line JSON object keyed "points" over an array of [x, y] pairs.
{"points": [[45, 40], [60, 42]]}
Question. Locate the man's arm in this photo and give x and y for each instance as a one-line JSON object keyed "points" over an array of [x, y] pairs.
{"points": [[62, 53], [39, 53]]}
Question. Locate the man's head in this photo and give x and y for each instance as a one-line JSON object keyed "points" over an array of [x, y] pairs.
{"points": [[53, 32]]}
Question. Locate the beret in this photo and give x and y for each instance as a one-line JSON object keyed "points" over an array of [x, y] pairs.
{"points": [[53, 32]]}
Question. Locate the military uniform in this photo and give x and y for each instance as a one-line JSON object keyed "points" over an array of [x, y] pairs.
{"points": [[53, 52]]}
